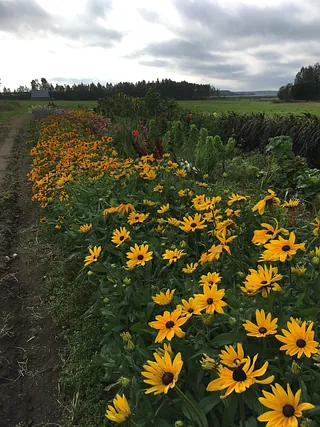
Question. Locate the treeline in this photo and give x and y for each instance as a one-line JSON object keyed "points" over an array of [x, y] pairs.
{"points": [[82, 92], [306, 85]]}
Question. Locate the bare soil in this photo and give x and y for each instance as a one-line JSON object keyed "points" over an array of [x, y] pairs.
{"points": [[29, 347]]}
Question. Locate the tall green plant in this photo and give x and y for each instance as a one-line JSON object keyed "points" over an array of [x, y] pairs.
{"points": [[200, 149]]}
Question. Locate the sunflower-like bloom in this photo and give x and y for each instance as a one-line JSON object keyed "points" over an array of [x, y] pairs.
{"points": [[224, 241], [173, 256], [125, 208], [120, 411], [169, 325], [265, 326], [280, 250], [210, 279], [298, 339], [163, 208], [235, 198], [139, 255], [148, 203], [120, 236], [299, 270], [240, 378], [135, 217], [164, 298], [158, 189], [211, 299], [189, 308], [181, 173], [107, 211], [173, 221], [191, 224], [231, 357], [190, 268], [85, 228], [285, 407], [264, 278], [290, 203], [261, 237], [208, 363], [163, 373], [261, 205], [93, 257], [232, 212], [316, 225]]}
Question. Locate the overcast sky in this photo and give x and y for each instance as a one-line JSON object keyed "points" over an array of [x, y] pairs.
{"points": [[232, 44]]}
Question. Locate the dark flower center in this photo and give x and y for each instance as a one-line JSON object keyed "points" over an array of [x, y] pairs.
{"points": [[270, 233], [169, 324], [174, 257], [190, 310], [209, 301], [140, 257], [211, 282], [286, 248], [264, 282], [193, 225], [121, 237], [288, 411], [167, 378], [301, 343], [136, 218], [239, 375], [262, 330]]}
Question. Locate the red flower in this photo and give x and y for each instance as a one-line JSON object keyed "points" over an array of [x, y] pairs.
{"points": [[135, 133]]}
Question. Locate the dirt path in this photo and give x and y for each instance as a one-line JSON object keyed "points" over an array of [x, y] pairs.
{"points": [[29, 348]]}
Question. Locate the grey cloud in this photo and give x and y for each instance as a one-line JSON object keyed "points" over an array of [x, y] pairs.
{"points": [[266, 55], [159, 63], [19, 16]]}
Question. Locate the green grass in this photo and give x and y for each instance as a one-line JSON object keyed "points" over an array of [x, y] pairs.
{"points": [[9, 109], [61, 104], [252, 106]]}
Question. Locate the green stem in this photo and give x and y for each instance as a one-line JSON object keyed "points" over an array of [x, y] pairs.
{"points": [[191, 406], [133, 423], [242, 411]]}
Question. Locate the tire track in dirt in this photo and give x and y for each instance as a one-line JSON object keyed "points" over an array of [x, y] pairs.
{"points": [[29, 348]]}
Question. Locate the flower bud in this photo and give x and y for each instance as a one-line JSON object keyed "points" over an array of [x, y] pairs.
{"points": [[130, 345], [307, 423], [232, 321], [207, 319], [106, 300], [125, 382], [183, 244], [241, 274], [126, 281], [90, 273], [295, 368], [315, 260], [113, 265], [179, 423]]}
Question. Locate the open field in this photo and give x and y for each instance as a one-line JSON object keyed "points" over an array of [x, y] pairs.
{"points": [[252, 106]]}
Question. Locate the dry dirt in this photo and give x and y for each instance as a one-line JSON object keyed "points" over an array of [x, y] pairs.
{"points": [[29, 347]]}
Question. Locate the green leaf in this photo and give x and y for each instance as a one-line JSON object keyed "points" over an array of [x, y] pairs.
{"points": [[308, 312], [252, 422], [209, 402], [227, 338]]}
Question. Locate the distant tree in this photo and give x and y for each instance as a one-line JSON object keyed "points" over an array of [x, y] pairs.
{"points": [[35, 85], [284, 92]]}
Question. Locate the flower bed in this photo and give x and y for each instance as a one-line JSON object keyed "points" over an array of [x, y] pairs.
{"points": [[210, 296]]}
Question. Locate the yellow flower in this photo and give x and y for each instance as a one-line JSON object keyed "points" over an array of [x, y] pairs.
{"points": [[231, 357], [189, 308], [163, 373], [120, 411], [240, 378], [211, 299], [110, 210], [208, 363], [299, 270], [190, 268], [158, 189], [139, 255], [164, 298], [181, 173], [173, 221], [136, 217], [163, 208], [192, 223], [261, 205], [316, 225], [169, 325], [166, 347], [202, 184], [120, 236], [298, 339], [85, 228], [159, 228], [290, 203], [148, 203], [93, 257], [58, 226], [125, 208], [265, 326], [264, 278], [42, 220], [235, 198], [126, 336], [317, 251], [182, 193], [149, 174], [281, 249], [316, 358], [210, 279], [173, 256], [232, 212], [285, 407], [263, 236]]}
